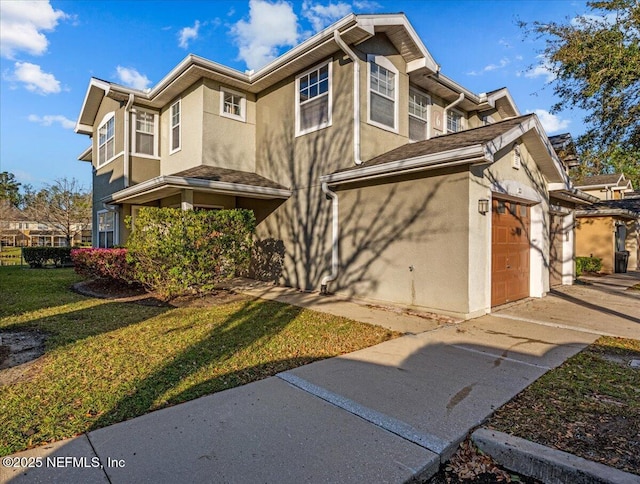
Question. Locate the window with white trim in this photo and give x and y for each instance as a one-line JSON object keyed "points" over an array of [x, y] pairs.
{"points": [[313, 99], [233, 104], [454, 121], [418, 115], [106, 139], [106, 229], [383, 92], [145, 137], [175, 126]]}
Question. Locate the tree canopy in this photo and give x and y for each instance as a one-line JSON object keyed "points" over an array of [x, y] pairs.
{"points": [[595, 59], [9, 188]]}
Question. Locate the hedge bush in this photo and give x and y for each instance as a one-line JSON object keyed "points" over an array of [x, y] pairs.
{"points": [[103, 263], [588, 264], [40, 256], [176, 252]]}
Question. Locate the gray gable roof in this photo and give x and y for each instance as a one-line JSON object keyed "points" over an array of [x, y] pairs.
{"points": [[598, 180], [214, 173], [447, 142]]}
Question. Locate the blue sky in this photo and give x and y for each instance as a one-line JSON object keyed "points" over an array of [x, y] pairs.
{"points": [[49, 50]]}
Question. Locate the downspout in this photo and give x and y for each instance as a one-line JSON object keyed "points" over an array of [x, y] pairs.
{"points": [[334, 243], [446, 110], [127, 161], [356, 95]]}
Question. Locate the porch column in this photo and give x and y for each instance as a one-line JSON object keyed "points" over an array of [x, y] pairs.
{"points": [[187, 200]]}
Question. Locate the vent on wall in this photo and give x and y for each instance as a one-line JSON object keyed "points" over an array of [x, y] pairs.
{"points": [[516, 157]]}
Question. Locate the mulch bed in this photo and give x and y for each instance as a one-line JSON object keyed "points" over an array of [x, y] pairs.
{"points": [[135, 293]]}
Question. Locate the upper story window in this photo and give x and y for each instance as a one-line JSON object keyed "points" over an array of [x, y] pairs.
{"points": [[313, 99], [454, 121], [175, 126], [106, 139], [145, 136], [233, 104], [383, 92], [418, 115]]}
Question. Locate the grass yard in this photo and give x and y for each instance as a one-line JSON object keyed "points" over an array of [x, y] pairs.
{"points": [[589, 406], [108, 361]]}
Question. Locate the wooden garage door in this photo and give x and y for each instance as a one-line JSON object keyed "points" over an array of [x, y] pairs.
{"points": [[509, 252]]}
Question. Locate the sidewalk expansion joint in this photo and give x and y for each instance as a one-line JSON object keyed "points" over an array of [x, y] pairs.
{"points": [[553, 325], [501, 358], [393, 425]]}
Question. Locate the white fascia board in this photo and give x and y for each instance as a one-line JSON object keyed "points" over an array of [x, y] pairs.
{"points": [[604, 212], [93, 82], [504, 92], [182, 182], [470, 154], [454, 86], [320, 37], [86, 154], [83, 129]]}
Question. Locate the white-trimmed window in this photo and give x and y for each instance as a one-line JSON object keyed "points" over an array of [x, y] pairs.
{"points": [[313, 99], [383, 92], [233, 104], [145, 135], [106, 228], [106, 139], [175, 126], [418, 115], [454, 121]]}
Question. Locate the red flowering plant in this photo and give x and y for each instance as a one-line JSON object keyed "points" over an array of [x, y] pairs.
{"points": [[103, 263]]}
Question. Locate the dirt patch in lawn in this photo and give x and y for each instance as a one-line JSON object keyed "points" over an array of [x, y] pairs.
{"points": [[589, 406], [108, 289], [19, 351]]}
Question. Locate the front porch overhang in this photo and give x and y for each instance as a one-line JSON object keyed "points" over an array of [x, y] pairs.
{"points": [[167, 186], [573, 195]]}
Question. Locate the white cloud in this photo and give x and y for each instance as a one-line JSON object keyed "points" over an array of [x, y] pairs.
{"points": [[504, 62], [366, 6], [49, 119], [131, 77], [322, 15], [21, 26], [34, 79], [542, 69], [188, 34], [550, 122], [270, 26]]}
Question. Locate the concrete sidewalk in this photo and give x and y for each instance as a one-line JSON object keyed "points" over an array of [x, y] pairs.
{"points": [[383, 414]]}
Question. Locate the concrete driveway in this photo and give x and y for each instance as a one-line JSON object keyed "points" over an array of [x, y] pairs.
{"points": [[383, 414]]}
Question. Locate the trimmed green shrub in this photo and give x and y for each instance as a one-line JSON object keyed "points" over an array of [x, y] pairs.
{"points": [[38, 257], [175, 251], [103, 263], [588, 264]]}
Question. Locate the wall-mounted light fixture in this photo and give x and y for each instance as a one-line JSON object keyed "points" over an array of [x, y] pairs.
{"points": [[483, 206]]}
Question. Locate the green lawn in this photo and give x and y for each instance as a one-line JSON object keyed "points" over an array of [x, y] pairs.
{"points": [[106, 361], [589, 406]]}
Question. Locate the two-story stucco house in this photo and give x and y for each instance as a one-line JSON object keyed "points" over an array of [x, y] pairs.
{"points": [[370, 172]]}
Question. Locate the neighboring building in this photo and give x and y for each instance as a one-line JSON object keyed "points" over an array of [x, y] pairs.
{"points": [[610, 229], [370, 172], [606, 187]]}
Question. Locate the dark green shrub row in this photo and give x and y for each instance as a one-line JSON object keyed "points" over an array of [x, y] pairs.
{"points": [[176, 252], [588, 264], [41, 256]]}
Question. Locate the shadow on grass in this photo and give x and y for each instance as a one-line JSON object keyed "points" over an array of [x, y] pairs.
{"points": [[252, 326]]}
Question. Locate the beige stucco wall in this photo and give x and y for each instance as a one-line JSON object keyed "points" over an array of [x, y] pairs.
{"points": [[405, 240], [595, 238], [227, 142], [191, 111]]}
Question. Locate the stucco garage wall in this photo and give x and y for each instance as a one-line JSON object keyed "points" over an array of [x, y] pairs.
{"points": [[405, 241], [594, 238]]}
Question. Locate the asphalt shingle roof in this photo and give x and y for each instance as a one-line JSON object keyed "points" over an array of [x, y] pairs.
{"points": [[598, 180], [446, 142], [214, 173]]}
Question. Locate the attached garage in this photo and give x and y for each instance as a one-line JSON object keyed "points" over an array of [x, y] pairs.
{"points": [[510, 251]]}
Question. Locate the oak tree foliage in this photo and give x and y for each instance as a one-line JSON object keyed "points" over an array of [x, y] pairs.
{"points": [[595, 59]]}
